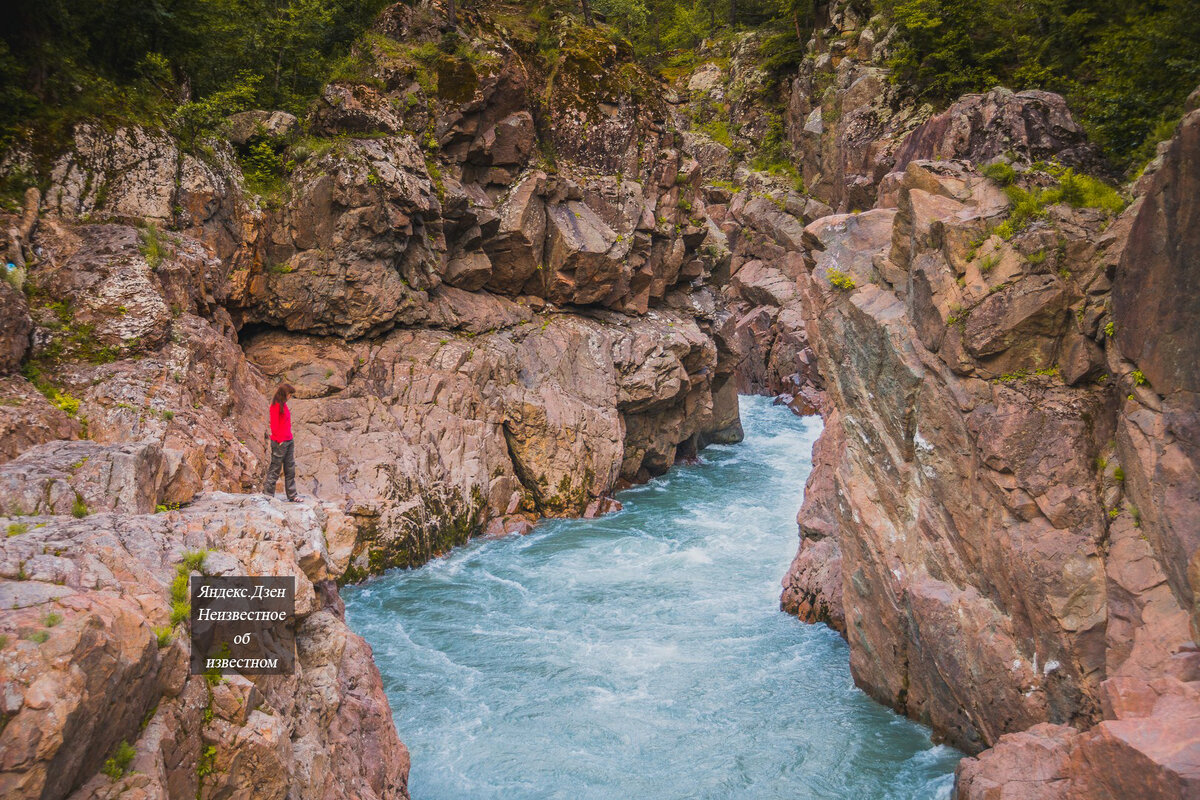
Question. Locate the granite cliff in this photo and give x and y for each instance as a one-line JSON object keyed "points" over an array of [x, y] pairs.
{"points": [[509, 278]]}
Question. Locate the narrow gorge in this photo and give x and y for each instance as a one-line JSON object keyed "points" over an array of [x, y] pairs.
{"points": [[520, 262]]}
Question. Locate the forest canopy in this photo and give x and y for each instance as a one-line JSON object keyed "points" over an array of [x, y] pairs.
{"points": [[1125, 66]]}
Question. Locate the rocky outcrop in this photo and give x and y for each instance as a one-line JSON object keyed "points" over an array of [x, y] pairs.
{"points": [[997, 509], [491, 271], [91, 661], [844, 117], [14, 340], [423, 436], [1024, 126]]}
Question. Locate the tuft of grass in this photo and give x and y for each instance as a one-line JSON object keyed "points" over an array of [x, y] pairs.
{"points": [[164, 634], [79, 508], [207, 762], [1119, 474], [1000, 172], [17, 528], [38, 637], [181, 606], [52, 619], [1084, 191], [116, 766], [152, 247]]}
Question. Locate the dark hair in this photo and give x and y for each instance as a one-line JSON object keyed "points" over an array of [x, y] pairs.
{"points": [[282, 394]]}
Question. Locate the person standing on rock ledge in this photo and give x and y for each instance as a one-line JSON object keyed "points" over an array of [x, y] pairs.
{"points": [[283, 451]]}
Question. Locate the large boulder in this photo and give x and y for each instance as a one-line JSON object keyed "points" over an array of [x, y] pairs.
{"points": [[81, 477], [1030, 125]]}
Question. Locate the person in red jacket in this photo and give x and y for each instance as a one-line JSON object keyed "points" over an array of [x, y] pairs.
{"points": [[283, 452]]}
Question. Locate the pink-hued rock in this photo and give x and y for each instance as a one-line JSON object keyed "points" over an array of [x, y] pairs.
{"points": [[27, 418], [1151, 749], [1030, 126], [83, 602], [15, 327], [1156, 320], [1003, 502]]}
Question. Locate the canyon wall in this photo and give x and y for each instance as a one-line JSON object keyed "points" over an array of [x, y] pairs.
{"points": [[491, 280], [1001, 518], [505, 288]]}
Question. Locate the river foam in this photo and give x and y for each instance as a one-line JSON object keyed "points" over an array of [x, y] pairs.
{"points": [[640, 655]]}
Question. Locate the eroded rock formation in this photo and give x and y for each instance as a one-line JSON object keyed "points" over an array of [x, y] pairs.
{"points": [[481, 336], [1002, 507]]}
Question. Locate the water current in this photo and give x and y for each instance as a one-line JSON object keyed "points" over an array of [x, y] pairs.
{"points": [[641, 655]]}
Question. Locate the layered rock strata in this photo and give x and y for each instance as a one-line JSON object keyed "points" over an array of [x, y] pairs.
{"points": [[496, 292], [1001, 513]]}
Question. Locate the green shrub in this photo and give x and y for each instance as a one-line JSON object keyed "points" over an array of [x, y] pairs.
{"points": [[79, 508], [1000, 172], [1084, 191], [116, 766]]}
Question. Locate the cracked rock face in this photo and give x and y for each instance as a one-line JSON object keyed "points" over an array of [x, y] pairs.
{"points": [[1000, 512], [89, 663], [478, 342]]}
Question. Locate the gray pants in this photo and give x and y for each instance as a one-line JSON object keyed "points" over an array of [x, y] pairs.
{"points": [[283, 454]]}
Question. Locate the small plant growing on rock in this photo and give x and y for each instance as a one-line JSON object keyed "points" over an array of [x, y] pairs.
{"points": [[52, 619], [207, 762], [38, 637], [1139, 377], [164, 635], [181, 607], [1000, 172], [989, 263], [1119, 474], [79, 508], [840, 280], [17, 528], [118, 765], [152, 247]]}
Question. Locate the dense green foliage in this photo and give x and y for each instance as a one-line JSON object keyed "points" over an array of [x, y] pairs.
{"points": [[656, 27], [138, 59], [1125, 66]]}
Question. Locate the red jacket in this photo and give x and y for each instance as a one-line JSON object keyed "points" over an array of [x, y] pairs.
{"points": [[281, 423]]}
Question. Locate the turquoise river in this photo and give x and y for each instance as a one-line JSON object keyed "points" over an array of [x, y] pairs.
{"points": [[641, 655]]}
